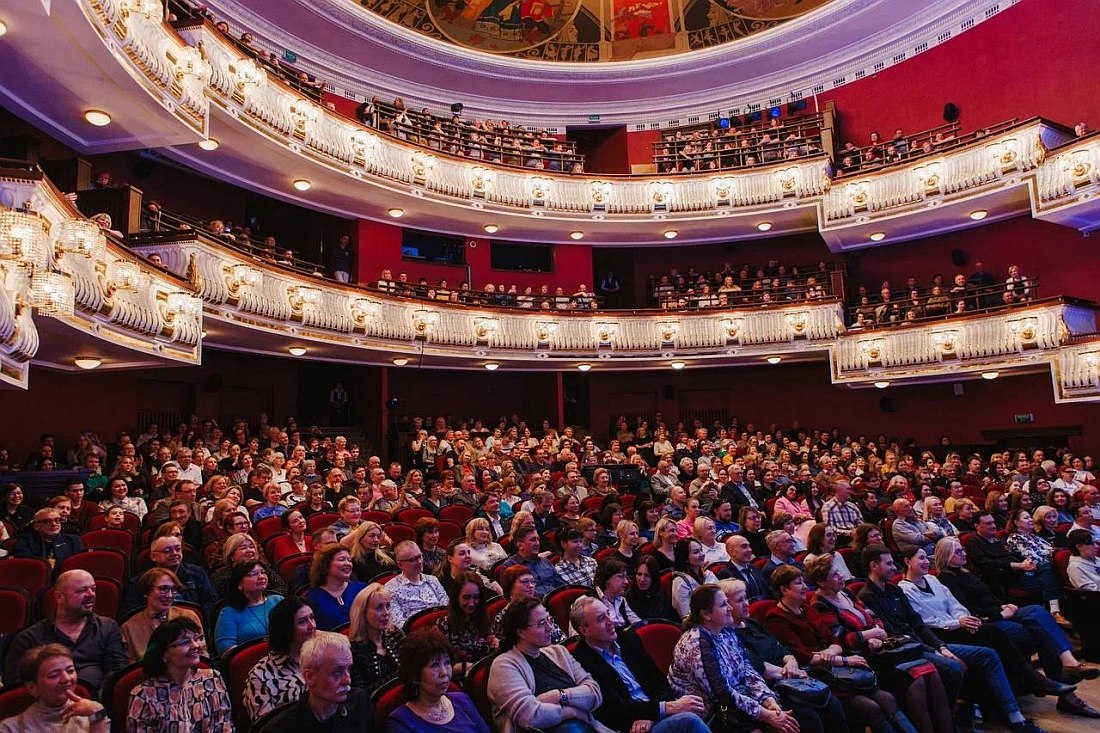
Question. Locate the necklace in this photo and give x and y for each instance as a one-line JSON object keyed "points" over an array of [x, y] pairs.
{"points": [[438, 713]]}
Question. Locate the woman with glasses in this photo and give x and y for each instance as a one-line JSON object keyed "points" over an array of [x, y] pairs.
{"points": [[241, 548], [518, 583], [178, 695], [248, 605], [158, 586]]}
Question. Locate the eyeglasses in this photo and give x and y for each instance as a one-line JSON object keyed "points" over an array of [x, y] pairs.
{"points": [[256, 573], [170, 550], [185, 641], [165, 590], [540, 624]]}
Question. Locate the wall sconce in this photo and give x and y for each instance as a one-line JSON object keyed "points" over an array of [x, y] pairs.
{"points": [[24, 239], [423, 323], [601, 194], [191, 69], [301, 298], [668, 331], [545, 332], [605, 332], [124, 275], [183, 304], [81, 237], [540, 190], [53, 293], [872, 350], [798, 322], [731, 327], [485, 327], [946, 342]]}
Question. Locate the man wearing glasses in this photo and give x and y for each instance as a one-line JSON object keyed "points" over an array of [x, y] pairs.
{"points": [[412, 590], [195, 585], [46, 540]]}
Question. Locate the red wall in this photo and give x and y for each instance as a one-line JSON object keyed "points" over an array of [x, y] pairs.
{"points": [[639, 146], [380, 247]]}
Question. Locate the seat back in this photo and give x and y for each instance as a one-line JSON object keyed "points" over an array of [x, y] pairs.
{"points": [[391, 696], [399, 532], [108, 599], [264, 723], [457, 513], [449, 531], [659, 638], [236, 663], [130, 522], [17, 609], [116, 694], [560, 600], [321, 519], [288, 567], [758, 609], [425, 618], [1061, 566], [666, 582], [477, 687], [412, 514], [378, 517], [109, 539], [267, 527], [494, 606], [15, 699], [100, 563], [30, 573]]}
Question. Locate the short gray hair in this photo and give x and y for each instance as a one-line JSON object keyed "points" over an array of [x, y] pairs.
{"points": [[773, 537], [321, 646], [578, 614]]}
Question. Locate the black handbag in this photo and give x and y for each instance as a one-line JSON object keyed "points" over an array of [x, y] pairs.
{"points": [[855, 680], [896, 650], [803, 691]]}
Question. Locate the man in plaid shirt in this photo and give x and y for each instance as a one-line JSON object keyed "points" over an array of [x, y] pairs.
{"points": [[574, 567], [840, 513]]}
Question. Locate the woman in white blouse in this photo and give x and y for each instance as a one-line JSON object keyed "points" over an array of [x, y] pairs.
{"points": [[483, 550]]}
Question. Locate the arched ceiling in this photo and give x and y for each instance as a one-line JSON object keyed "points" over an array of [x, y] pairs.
{"points": [[783, 50]]}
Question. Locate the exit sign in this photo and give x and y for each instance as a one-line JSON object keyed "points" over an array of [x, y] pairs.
{"points": [[290, 57], [1024, 418], [593, 118]]}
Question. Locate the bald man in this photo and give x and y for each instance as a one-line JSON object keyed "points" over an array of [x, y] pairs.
{"points": [[95, 641]]}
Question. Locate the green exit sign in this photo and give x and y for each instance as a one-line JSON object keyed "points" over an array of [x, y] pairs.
{"points": [[1024, 418], [593, 118], [290, 57]]}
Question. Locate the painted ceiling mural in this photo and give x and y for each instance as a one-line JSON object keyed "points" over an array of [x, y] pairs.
{"points": [[589, 30]]}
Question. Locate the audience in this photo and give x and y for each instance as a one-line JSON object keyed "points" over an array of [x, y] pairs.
{"points": [[426, 669], [332, 704], [277, 677]]}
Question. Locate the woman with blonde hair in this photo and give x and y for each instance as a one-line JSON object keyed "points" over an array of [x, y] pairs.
{"points": [[483, 550], [664, 539], [367, 554], [375, 641]]}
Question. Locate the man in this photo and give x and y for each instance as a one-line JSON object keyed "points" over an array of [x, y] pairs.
{"points": [[527, 554], [676, 507], [49, 676], [575, 568], [1068, 481], [95, 641], [636, 696], [499, 525], [331, 704], [740, 567], [185, 490], [661, 483], [412, 591], [1003, 568], [910, 532], [181, 512], [82, 511], [543, 511], [737, 491], [45, 539], [781, 545], [95, 482], [1084, 520], [466, 491], [167, 553], [977, 666], [841, 513], [188, 470], [868, 504]]}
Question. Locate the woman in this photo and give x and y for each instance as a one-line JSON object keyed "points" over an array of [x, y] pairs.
{"points": [[1046, 524], [792, 503], [784, 521], [822, 541], [317, 503], [233, 523], [484, 552], [752, 529], [426, 669], [934, 513], [367, 555], [277, 678], [1084, 567], [118, 489], [332, 590], [918, 685], [242, 548], [646, 596], [965, 509], [795, 623], [427, 537], [1060, 500], [709, 661], [435, 498], [12, 508], [413, 485], [458, 560], [519, 583], [535, 683], [996, 503], [665, 541], [216, 514], [297, 538], [374, 640], [647, 514], [610, 516], [691, 572], [178, 695], [571, 511], [692, 511], [158, 586], [247, 606], [212, 491], [272, 505], [629, 539], [612, 580], [467, 626], [1029, 627]]}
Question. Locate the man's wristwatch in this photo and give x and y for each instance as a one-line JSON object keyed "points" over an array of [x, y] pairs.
{"points": [[98, 716], [564, 697]]}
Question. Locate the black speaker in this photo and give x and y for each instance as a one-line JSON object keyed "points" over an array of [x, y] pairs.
{"points": [[958, 257], [950, 112], [669, 392], [887, 404]]}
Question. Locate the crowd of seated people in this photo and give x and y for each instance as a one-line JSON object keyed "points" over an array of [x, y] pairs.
{"points": [[410, 553], [879, 153], [729, 286], [502, 296], [500, 143], [712, 148], [979, 290]]}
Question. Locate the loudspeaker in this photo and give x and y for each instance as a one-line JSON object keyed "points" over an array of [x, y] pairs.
{"points": [[950, 112], [668, 392], [958, 257], [887, 404]]}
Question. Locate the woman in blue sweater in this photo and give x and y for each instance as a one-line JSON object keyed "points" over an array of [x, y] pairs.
{"points": [[248, 605]]}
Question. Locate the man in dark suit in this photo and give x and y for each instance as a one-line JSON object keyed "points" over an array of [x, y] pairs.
{"points": [[740, 567], [46, 540], [636, 695]]}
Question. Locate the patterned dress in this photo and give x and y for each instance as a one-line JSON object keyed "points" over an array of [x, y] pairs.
{"points": [[200, 705], [276, 679]]}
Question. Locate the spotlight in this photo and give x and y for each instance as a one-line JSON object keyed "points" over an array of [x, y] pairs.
{"points": [[87, 362], [491, 228], [724, 123], [882, 385], [774, 359], [396, 213], [492, 366], [584, 367], [302, 184], [990, 375], [400, 361], [97, 118], [979, 214], [576, 235], [297, 351], [878, 236], [764, 226], [457, 108]]}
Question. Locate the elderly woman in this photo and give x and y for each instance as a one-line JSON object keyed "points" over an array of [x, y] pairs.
{"points": [[48, 674], [798, 626], [934, 513], [248, 605], [709, 661], [534, 683], [822, 541], [118, 490], [233, 523], [467, 625], [367, 555], [374, 640], [519, 583], [158, 586], [242, 548], [965, 509], [691, 572], [426, 668], [1046, 526], [706, 532], [277, 678], [917, 684], [612, 580], [332, 590], [484, 552], [178, 695]]}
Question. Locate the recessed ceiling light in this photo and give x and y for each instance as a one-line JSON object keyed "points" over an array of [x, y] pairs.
{"points": [[87, 362], [297, 350], [576, 235], [208, 144], [882, 385], [491, 366], [764, 226], [671, 234], [878, 236], [302, 184], [774, 359], [678, 364], [491, 228], [400, 361], [396, 213], [97, 118], [990, 375], [584, 367], [979, 214], [3, 28]]}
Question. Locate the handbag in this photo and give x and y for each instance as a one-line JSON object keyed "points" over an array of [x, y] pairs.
{"points": [[896, 650], [803, 691], [856, 680]]}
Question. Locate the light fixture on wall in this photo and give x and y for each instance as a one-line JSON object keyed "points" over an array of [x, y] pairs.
{"points": [[396, 213], [87, 362], [400, 361], [764, 226], [491, 228], [492, 366], [979, 214], [671, 234], [882, 384], [302, 184], [208, 144], [678, 365], [576, 235], [584, 367], [774, 359], [297, 350], [877, 236], [97, 117], [990, 375]]}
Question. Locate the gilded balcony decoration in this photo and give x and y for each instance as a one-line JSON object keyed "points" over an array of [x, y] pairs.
{"points": [[362, 312], [239, 276], [798, 322], [731, 329], [302, 298], [83, 238], [946, 341], [660, 195], [423, 321], [668, 331], [539, 190], [601, 193], [605, 333], [364, 147], [871, 350], [485, 327], [304, 113], [481, 179], [124, 275], [24, 239], [422, 165], [544, 333]]}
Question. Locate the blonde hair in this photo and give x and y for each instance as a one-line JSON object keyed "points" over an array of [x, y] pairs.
{"points": [[354, 542], [945, 549], [357, 630], [475, 524], [233, 543], [659, 526]]}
